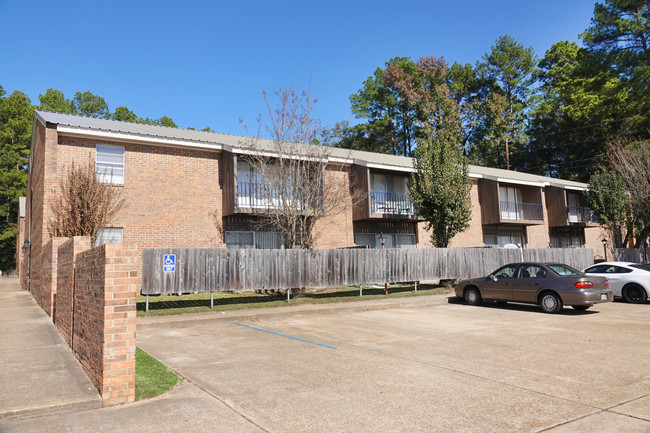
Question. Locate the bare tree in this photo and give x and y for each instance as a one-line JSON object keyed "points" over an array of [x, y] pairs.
{"points": [[83, 205], [296, 182], [631, 161]]}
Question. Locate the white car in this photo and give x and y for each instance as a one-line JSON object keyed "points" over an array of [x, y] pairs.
{"points": [[630, 281]]}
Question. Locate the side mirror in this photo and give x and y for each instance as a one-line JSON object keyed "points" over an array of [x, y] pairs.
{"points": [[493, 277]]}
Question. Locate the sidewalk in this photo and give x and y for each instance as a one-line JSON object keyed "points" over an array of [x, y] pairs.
{"points": [[39, 373]]}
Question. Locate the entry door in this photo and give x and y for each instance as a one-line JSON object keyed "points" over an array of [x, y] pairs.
{"points": [[572, 203], [510, 208]]}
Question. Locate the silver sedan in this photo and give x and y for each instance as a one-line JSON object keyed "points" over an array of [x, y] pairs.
{"points": [[549, 285]]}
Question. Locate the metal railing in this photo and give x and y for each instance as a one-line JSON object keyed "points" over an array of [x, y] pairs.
{"points": [[579, 214], [255, 196], [391, 203], [513, 210]]}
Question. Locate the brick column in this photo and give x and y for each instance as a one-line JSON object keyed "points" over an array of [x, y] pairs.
{"points": [[104, 319], [49, 267], [63, 316]]}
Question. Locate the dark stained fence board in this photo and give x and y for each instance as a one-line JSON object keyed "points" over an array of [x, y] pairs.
{"points": [[202, 270], [635, 255]]}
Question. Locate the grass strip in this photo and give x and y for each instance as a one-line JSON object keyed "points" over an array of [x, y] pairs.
{"points": [[151, 377], [165, 305]]}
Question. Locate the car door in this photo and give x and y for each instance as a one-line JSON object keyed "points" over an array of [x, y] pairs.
{"points": [[530, 280], [616, 276], [500, 285]]}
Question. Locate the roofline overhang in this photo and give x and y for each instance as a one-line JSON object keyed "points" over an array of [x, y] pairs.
{"points": [[129, 137]]}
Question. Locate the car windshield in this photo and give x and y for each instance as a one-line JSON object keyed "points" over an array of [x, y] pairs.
{"points": [[564, 270], [643, 267]]}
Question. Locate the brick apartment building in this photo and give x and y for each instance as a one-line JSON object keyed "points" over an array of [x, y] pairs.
{"points": [[186, 188]]}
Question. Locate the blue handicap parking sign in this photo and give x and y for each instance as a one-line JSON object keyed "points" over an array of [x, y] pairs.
{"points": [[169, 263]]}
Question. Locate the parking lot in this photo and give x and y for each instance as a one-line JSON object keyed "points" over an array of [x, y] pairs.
{"points": [[436, 367]]}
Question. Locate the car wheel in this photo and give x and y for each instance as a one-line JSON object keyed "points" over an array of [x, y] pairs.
{"points": [[550, 302], [635, 294], [473, 296], [581, 307]]}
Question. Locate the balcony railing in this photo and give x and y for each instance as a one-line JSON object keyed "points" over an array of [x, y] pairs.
{"points": [[390, 203], [579, 214], [254, 196], [512, 210]]}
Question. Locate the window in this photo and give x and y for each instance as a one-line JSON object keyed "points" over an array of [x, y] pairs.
{"points": [[110, 164], [566, 237], [510, 203], [564, 270], [506, 272], [391, 240], [253, 240], [531, 271], [110, 235]]}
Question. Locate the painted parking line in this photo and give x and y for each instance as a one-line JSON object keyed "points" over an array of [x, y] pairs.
{"points": [[286, 336]]}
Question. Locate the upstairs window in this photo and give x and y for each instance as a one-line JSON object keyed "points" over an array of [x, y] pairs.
{"points": [[110, 235], [110, 164]]}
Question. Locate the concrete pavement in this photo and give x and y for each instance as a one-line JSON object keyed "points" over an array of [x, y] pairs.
{"points": [[420, 364], [39, 374]]}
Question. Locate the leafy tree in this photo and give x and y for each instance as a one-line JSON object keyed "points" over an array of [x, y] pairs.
{"points": [[508, 68], [125, 115], [15, 139], [163, 121], [579, 110], [54, 100], [166, 121], [608, 198], [440, 187], [390, 114], [620, 35], [88, 104], [84, 205]]}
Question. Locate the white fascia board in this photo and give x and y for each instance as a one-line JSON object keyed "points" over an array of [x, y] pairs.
{"points": [[125, 136], [523, 182], [340, 160], [270, 154], [475, 176], [386, 167], [573, 188]]}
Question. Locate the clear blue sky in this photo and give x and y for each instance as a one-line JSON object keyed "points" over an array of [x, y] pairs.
{"points": [[207, 63]]}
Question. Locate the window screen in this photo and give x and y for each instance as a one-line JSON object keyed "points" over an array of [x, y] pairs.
{"points": [[110, 235], [110, 164]]}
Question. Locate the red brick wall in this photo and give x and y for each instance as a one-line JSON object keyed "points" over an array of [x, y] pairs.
{"points": [[473, 236], [64, 300], [47, 290], [335, 230], [20, 238], [169, 192], [104, 319]]}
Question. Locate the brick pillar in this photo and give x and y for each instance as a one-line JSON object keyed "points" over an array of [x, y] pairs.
{"points": [[105, 309], [49, 267], [63, 314]]}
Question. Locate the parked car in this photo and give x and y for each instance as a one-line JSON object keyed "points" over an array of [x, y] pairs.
{"points": [[630, 281], [549, 285]]}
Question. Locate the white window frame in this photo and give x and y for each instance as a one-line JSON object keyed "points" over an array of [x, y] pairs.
{"points": [[110, 235], [106, 169]]}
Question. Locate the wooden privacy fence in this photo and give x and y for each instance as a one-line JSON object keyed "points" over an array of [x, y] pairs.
{"points": [[213, 270], [636, 255]]}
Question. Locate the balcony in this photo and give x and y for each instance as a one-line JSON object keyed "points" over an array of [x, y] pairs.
{"points": [[391, 204], [579, 214], [517, 211], [253, 196]]}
